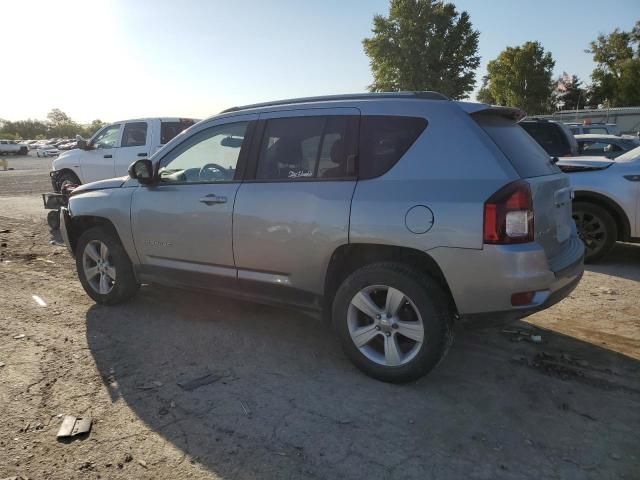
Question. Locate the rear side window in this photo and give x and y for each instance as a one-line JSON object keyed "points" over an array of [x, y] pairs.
{"points": [[384, 139], [168, 130], [527, 157], [549, 136], [299, 148]]}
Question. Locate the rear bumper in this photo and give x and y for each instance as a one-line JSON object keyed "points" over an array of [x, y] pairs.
{"points": [[483, 281]]}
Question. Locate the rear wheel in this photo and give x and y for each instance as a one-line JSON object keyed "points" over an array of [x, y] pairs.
{"points": [[104, 268], [394, 322], [596, 228]]}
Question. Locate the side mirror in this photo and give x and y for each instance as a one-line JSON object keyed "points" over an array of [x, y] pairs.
{"points": [[81, 143], [142, 170]]}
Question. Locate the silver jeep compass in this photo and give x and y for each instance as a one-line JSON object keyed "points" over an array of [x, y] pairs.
{"points": [[395, 215]]}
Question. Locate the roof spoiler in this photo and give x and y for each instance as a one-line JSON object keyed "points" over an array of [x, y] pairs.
{"points": [[510, 113]]}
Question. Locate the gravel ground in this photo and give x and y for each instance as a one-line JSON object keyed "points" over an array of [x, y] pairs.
{"points": [[285, 402]]}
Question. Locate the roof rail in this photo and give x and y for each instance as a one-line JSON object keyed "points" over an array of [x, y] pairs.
{"points": [[350, 96]]}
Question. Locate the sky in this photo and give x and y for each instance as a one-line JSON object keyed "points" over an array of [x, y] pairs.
{"points": [[119, 59]]}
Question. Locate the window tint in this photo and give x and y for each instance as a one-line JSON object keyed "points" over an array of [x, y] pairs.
{"points": [[168, 130], [384, 140], [549, 136], [134, 135], [600, 130], [307, 147], [527, 157], [107, 137], [209, 156]]}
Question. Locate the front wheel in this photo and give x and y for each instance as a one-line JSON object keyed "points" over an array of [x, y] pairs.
{"points": [[596, 228], [104, 268], [394, 322]]}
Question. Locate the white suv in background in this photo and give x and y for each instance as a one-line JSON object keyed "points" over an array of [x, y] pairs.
{"points": [[113, 148]]}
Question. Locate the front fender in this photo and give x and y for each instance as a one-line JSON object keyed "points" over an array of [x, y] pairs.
{"points": [[113, 206]]}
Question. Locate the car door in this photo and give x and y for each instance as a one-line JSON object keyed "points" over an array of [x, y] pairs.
{"points": [[97, 162], [292, 210], [134, 144], [182, 226]]}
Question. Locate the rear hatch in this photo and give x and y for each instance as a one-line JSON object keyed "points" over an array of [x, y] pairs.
{"points": [[550, 188]]}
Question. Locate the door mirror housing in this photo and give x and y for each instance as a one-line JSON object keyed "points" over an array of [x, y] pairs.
{"points": [[82, 144], [142, 171]]}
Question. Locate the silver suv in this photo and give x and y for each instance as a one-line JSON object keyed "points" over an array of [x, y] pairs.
{"points": [[394, 214]]}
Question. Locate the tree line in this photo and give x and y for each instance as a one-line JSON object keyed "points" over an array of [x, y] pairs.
{"points": [[57, 125], [429, 45]]}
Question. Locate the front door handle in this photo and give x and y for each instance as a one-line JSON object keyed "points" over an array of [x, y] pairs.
{"points": [[212, 199], [108, 156], [142, 154]]}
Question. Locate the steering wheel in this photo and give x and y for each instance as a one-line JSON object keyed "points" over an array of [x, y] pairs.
{"points": [[213, 171]]}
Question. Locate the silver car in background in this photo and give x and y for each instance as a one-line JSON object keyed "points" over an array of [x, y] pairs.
{"points": [[395, 215], [606, 208]]}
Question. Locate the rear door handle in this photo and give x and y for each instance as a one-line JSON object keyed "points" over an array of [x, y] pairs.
{"points": [[108, 156], [142, 154], [212, 199]]}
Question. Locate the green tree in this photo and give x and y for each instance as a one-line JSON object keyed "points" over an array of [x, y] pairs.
{"points": [[423, 45], [569, 93], [616, 76], [88, 130], [520, 77], [61, 124]]}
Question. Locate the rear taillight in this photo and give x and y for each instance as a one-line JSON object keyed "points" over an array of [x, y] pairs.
{"points": [[508, 215]]}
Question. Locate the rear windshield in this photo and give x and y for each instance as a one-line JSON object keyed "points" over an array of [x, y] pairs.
{"points": [[168, 130], [527, 157], [549, 136]]}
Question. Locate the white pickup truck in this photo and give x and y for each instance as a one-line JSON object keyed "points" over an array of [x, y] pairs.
{"points": [[113, 148], [11, 147]]}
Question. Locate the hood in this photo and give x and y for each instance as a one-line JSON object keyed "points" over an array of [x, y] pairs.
{"points": [[583, 164], [100, 185]]}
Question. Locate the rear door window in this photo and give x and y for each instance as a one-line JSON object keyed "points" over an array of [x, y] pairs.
{"points": [[527, 157], [384, 139], [308, 147], [168, 130]]}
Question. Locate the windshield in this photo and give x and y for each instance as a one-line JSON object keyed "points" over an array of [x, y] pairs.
{"points": [[630, 156]]}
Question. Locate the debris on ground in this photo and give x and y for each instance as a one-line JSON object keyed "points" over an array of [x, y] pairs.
{"points": [[72, 426], [127, 457], [19, 336], [520, 335], [142, 463], [190, 385], [150, 386], [247, 412]]}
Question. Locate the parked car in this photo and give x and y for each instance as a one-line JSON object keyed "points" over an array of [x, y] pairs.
{"points": [[593, 128], [11, 147], [607, 198], [47, 151], [394, 214], [610, 146], [113, 148], [68, 145], [554, 137]]}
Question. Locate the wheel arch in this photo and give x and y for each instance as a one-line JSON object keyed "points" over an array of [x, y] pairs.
{"points": [[349, 257], [80, 224], [617, 212]]}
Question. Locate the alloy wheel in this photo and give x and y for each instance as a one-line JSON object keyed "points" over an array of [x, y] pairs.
{"points": [[385, 325], [591, 230], [98, 266]]}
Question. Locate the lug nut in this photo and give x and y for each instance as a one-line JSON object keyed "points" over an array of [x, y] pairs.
{"points": [[377, 327], [388, 334], [395, 325], [377, 317]]}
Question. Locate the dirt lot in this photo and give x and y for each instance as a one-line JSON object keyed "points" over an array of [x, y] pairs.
{"points": [[287, 403]]}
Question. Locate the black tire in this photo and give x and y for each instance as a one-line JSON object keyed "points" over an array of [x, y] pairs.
{"points": [[53, 219], [67, 177], [425, 296], [597, 229], [125, 285]]}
